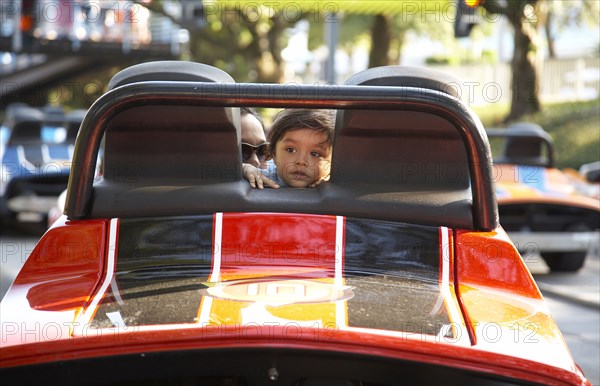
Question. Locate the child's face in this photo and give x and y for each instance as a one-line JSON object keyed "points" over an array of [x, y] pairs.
{"points": [[302, 157]]}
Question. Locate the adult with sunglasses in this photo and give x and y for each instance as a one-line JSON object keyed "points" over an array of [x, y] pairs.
{"points": [[255, 148]]}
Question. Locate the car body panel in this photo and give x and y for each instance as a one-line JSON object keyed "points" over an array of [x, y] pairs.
{"points": [[490, 271], [63, 322], [524, 183]]}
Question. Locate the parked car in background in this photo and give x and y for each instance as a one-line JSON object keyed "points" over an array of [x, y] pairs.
{"points": [[62, 142], [36, 161], [170, 269], [543, 209], [586, 179], [72, 122], [591, 172]]}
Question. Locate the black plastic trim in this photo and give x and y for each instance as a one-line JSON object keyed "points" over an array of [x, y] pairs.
{"points": [[248, 367]]}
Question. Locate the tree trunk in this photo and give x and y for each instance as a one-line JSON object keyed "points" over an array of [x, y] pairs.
{"points": [[525, 80], [550, 35], [270, 63], [381, 38], [400, 41], [525, 85]]}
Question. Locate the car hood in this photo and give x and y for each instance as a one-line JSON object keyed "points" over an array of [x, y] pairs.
{"points": [[273, 269]]}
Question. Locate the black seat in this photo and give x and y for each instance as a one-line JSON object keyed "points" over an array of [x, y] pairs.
{"points": [[527, 144], [405, 154], [72, 123], [25, 124], [170, 141], [53, 115]]}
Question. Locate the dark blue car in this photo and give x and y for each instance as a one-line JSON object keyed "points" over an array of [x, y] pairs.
{"points": [[37, 147]]}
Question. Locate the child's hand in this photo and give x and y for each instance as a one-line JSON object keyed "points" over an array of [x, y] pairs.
{"points": [[319, 182], [256, 178]]}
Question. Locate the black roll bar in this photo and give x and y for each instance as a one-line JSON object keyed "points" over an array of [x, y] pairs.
{"points": [[80, 190]]}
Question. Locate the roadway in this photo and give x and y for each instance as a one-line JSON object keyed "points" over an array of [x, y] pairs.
{"points": [[574, 302], [573, 298]]}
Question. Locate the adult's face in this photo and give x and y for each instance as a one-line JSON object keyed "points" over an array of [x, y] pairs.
{"points": [[253, 134]]}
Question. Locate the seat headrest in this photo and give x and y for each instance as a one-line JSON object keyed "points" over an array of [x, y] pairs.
{"points": [[26, 124], [26, 132], [407, 76], [169, 70]]}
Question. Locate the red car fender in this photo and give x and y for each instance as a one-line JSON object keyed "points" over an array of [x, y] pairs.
{"points": [[60, 275]]}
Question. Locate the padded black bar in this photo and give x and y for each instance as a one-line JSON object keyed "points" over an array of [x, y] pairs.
{"points": [[451, 208], [442, 104]]}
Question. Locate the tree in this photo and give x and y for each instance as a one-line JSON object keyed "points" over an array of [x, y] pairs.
{"points": [[549, 16], [381, 39], [527, 17], [385, 34], [244, 39], [557, 15], [523, 16]]}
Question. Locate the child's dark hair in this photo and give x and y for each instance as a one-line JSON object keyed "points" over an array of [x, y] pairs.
{"points": [[320, 120]]}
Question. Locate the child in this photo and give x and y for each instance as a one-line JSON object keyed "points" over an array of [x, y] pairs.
{"points": [[301, 143]]}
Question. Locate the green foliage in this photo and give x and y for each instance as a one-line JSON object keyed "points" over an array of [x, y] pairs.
{"points": [[489, 56], [568, 13], [486, 56], [492, 115], [443, 60], [574, 127]]}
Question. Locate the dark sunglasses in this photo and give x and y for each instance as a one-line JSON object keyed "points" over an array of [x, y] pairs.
{"points": [[262, 151]]}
